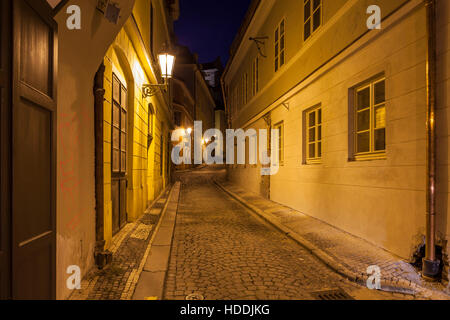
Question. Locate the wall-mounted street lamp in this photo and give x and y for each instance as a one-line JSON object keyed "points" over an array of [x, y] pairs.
{"points": [[166, 63]]}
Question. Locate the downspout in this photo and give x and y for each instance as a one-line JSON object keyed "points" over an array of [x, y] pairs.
{"points": [[430, 265]]}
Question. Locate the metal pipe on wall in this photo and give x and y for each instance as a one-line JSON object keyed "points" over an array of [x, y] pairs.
{"points": [[430, 264]]}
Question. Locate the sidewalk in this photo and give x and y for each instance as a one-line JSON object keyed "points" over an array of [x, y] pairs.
{"points": [[346, 254], [129, 247]]}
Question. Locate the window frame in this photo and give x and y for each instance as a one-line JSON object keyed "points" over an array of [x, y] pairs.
{"points": [[280, 125], [318, 143], [372, 154], [311, 17], [277, 48], [123, 128]]}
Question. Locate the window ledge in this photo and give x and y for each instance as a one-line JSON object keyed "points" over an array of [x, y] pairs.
{"points": [[313, 162], [369, 157]]}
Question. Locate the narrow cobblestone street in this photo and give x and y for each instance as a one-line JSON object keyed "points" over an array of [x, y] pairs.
{"points": [[221, 251]]}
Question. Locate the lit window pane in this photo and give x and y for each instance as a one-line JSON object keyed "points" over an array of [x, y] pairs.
{"points": [[116, 90], [276, 35], [307, 9], [123, 98], [282, 28], [380, 117], [123, 160], [319, 133], [116, 161], [316, 4], [312, 134], [312, 119], [276, 49], [123, 142], [307, 29], [316, 19], [312, 150], [380, 92], [116, 115], [282, 58], [363, 143], [282, 43], [363, 120], [116, 138], [363, 100], [319, 121], [319, 150], [380, 139]]}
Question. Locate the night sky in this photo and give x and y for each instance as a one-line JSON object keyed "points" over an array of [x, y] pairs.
{"points": [[208, 27]]}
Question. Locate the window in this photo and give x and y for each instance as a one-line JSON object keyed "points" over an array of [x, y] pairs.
{"points": [[255, 76], [313, 135], [280, 45], [370, 119], [119, 127], [280, 127], [312, 16]]}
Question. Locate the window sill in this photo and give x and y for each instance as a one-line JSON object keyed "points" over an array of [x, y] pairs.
{"points": [[313, 162], [369, 157]]}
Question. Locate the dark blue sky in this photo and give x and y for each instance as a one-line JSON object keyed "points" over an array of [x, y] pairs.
{"points": [[208, 27]]}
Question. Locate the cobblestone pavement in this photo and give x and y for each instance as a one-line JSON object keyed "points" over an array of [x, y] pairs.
{"points": [[117, 281], [354, 253], [222, 252]]}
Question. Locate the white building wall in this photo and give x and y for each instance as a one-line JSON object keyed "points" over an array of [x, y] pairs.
{"points": [[382, 201]]}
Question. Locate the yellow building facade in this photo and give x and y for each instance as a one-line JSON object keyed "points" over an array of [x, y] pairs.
{"points": [[136, 167]]}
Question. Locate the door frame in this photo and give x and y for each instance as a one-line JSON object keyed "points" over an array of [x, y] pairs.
{"points": [[5, 149]]}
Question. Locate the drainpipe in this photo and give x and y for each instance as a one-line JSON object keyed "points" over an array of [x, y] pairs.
{"points": [[430, 265]]}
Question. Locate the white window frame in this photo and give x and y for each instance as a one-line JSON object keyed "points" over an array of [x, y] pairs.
{"points": [[318, 141], [280, 126], [372, 153]]}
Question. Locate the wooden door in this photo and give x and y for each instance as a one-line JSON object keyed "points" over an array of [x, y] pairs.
{"points": [[33, 150], [119, 154], [5, 154]]}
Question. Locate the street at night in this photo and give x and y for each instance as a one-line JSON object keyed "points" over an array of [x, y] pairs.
{"points": [[225, 159]]}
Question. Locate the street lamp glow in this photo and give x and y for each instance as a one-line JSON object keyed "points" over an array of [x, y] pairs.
{"points": [[189, 130], [166, 63]]}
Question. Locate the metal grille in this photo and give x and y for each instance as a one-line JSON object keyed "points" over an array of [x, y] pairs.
{"points": [[337, 294]]}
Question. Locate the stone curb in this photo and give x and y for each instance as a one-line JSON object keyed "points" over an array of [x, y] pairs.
{"points": [[152, 274], [396, 285]]}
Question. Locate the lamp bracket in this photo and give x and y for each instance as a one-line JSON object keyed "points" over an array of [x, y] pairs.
{"points": [[286, 105], [259, 41], [149, 90]]}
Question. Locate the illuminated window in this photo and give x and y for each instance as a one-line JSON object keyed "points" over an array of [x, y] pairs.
{"points": [[280, 127], [370, 119], [280, 45], [312, 16], [313, 121]]}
